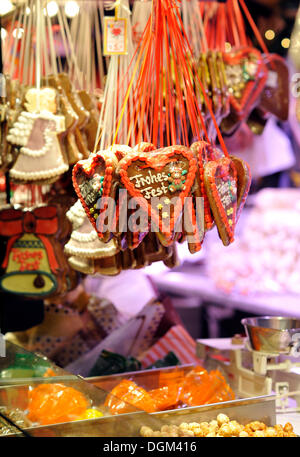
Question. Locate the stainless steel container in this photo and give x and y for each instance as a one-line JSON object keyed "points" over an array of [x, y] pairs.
{"points": [[273, 335]]}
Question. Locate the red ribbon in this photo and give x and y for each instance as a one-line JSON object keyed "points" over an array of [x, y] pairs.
{"points": [[42, 222]]}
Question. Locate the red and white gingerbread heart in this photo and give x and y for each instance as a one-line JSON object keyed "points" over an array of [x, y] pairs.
{"points": [[153, 179], [220, 179], [95, 184]]}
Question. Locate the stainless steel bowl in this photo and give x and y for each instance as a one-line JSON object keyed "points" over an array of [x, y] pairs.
{"points": [[273, 335]]}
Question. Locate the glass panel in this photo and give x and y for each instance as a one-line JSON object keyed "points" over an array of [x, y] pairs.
{"points": [[19, 366]]}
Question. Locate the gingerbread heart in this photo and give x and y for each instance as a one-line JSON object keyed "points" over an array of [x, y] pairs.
{"points": [[93, 180], [220, 179], [155, 178], [246, 75], [275, 96], [205, 152], [243, 175]]}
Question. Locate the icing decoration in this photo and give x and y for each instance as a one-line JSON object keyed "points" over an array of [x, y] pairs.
{"points": [[93, 180], [146, 175], [176, 178], [220, 179], [30, 261], [246, 75]]}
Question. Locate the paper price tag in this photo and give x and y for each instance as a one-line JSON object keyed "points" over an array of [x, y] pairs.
{"points": [[115, 36]]}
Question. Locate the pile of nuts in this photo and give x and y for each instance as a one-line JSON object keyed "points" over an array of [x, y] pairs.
{"points": [[221, 427]]}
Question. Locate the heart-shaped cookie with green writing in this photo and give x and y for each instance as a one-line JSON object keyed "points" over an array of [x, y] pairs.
{"points": [[159, 181], [94, 181], [220, 180]]}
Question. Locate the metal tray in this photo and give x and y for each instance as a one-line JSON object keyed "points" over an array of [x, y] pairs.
{"points": [[129, 425]]}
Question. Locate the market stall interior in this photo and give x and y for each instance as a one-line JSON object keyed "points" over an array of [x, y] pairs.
{"points": [[149, 218]]}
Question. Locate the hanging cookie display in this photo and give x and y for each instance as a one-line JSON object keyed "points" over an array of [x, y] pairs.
{"points": [[154, 178]]}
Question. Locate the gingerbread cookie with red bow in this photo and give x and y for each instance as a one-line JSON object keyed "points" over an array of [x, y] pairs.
{"points": [[34, 264]]}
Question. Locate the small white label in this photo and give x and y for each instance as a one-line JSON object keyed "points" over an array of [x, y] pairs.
{"points": [[272, 80], [115, 36]]}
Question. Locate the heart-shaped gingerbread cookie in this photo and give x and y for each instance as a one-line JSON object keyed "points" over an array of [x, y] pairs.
{"points": [[220, 179], [94, 180], [246, 75], [154, 178], [243, 176]]}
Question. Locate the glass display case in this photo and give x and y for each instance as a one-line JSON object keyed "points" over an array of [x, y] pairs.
{"points": [[19, 366], [99, 422]]}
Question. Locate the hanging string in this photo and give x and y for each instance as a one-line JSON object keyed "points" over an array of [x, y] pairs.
{"points": [[38, 53]]}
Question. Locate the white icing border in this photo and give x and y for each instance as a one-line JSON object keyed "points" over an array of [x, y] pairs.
{"points": [[76, 215], [99, 253], [35, 175]]}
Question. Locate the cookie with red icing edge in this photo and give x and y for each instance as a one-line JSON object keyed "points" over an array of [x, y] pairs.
{"points": [[243, 182], [154, 178], [144, 147], [94, 179], [246, 75], [220, 179], [200, 149]]}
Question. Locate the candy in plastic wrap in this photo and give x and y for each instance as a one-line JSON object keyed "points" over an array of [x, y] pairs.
{"points": [[167, 397], [126, 395], [55, 403]]}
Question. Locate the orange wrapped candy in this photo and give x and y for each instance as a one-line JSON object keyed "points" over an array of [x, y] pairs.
{"points": [[201, 387], [197, 387], [128, 394], [55, 403], [166, 397]]}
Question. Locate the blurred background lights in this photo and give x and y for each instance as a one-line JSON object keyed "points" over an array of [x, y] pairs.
{"points": [[270, 34], [71, 9], [286, 43], [17, 33], [5, 7], [3, 34], [51, 9]]}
